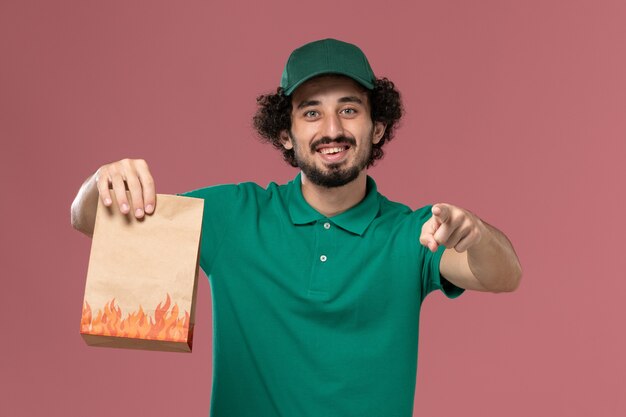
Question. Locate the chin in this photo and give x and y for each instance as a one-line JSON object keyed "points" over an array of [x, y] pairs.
{"points": [[332, 178]]}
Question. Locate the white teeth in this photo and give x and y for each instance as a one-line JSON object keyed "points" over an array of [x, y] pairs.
{"points": [[327, 151]]}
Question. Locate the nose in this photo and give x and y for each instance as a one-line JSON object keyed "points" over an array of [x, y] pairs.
{"points": [[332, 126]]}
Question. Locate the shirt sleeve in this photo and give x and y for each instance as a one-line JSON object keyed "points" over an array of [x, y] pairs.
{"points": [[430, 262], [217, 219]]}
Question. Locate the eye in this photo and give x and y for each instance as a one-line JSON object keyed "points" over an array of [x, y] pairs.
{"points": [[310, 114], [349, 111]]}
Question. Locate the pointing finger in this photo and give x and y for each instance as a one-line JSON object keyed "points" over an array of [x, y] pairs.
{"points": [[441, 211]]}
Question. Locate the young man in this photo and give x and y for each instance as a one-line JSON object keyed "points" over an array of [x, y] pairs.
{"points": [[317, 284]]}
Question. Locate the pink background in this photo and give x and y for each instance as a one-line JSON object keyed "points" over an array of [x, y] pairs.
{"points": [[515, 110]]}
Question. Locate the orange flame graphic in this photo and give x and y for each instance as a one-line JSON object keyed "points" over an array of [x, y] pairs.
{"points": [[137, 325]]}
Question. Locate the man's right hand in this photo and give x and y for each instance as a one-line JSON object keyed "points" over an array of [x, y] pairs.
{"points": [[136, 175], [133, 173]]}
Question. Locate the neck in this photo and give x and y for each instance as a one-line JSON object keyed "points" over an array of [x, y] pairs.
{"points": [[333, 201]]}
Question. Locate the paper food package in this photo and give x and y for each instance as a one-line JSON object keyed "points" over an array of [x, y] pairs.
{"points": [[142, 276]]}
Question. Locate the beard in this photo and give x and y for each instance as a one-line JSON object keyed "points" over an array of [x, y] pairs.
{"points": [[332, 175]]}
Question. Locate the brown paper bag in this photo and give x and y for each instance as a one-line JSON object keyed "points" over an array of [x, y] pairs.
{"points": [[142, 276]]}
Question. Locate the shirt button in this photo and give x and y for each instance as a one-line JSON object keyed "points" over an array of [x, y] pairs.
{"points": [[323, 258], [326, 225]]}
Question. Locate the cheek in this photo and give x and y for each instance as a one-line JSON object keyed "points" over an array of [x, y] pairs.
{"points": [[303, 130], [363, 126]]}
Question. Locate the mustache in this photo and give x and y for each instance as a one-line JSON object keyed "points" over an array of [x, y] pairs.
{"points": [[326, 140]]}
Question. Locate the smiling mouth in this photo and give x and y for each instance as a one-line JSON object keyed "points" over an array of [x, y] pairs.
{"points": [[333, 153], [333, 150]]}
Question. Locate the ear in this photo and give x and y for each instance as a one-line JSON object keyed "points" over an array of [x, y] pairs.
{"points": [[379, 131], [286, 140]]}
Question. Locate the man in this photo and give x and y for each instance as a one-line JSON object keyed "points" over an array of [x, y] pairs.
{"points": [[317, 284]]}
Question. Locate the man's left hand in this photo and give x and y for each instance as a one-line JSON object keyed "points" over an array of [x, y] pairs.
{"points": [[452, 227]]}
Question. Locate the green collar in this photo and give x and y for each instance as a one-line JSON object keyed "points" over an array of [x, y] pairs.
{"points": [[355, 220]]}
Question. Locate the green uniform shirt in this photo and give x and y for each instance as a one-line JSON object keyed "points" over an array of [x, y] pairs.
{"points": [[314, 316]]}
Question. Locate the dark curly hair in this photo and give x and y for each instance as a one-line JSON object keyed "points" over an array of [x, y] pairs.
{"points": [[273, 116]]}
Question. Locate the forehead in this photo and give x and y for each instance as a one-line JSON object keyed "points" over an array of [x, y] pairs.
{"points": [[328, 88]]}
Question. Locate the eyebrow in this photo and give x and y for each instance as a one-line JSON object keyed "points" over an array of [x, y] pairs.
{"points": [[348, 99], [308, 103]]}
